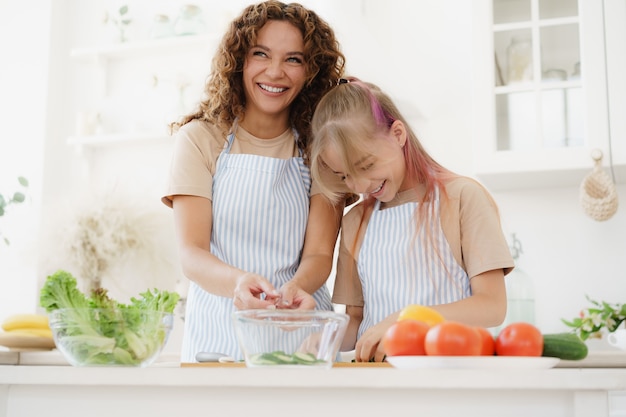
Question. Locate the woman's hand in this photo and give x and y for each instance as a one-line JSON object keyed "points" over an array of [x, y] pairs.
{"points": [[294, 297], [248, 291], [369, 346]]}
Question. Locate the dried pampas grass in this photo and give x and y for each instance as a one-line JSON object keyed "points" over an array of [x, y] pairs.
{"points": [[118, 242]]}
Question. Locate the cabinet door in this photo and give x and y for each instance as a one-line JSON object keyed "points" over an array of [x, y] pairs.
{"points": [[540, 102], [615, 24]]}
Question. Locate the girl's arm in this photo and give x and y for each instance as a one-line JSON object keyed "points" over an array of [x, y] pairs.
{"points": [[486, 307], [369, 346], [317, 255], [193, 219]]}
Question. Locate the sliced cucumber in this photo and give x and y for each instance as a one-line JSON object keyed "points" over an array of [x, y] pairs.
{"points": [[305, 358], [282, 358]]}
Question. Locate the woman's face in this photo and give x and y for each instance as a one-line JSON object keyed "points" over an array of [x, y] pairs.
{"points": [[380, 171], [274, 70]]}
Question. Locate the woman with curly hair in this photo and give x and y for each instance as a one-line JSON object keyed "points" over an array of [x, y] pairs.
{"points": [[252, 229]]}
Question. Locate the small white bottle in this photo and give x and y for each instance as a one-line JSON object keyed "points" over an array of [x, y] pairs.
{"points": [[520, 60]]}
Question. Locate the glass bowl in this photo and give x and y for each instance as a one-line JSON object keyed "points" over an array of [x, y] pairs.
{"points": [[290, 338], [110, 337]]}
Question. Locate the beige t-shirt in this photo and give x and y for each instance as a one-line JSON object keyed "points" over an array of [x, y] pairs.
{"points": [[470, 223], [197, 146]]}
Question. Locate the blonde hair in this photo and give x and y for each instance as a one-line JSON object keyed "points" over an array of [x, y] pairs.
{"points": [[350, 118], [224, 91]]}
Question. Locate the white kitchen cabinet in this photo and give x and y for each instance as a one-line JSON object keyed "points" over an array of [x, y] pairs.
{"points": [[137, 88], [547, 90]]}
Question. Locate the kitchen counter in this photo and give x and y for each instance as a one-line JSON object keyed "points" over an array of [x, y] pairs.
{"points": [[167, 389]]}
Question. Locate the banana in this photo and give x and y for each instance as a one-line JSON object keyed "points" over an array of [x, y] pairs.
{"points": [[25, 321], [31, 332]]}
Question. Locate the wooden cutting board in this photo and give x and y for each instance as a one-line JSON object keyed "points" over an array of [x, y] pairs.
{"points": [[243, 365], [18, 342], [595, 359]]}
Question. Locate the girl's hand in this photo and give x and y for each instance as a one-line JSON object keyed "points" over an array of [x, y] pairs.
{"points": [[249, 289], [369, 347], [294, 297]]}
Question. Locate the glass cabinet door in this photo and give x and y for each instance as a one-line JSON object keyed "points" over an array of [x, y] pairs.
{"points": [[538, 91]]}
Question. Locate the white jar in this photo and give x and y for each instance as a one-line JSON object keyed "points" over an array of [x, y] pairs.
{"points": [[520, 60], [190, 21]]}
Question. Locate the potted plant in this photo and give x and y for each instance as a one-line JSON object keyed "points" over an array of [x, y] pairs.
{"points": [[16, 198], [593, 320], [120, 20]]}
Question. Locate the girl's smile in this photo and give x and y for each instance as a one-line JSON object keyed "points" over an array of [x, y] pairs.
{"points": [[380, 173]]}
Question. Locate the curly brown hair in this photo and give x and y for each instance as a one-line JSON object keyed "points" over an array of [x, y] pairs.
{"points": [[224, 91]]}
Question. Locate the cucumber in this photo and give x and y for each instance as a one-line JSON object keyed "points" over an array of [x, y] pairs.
{"points": [[567, 346], [282, 358], [305, 358]]}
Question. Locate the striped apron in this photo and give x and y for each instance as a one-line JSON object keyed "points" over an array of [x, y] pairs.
{"points": [[260, 212], [398, 268]]}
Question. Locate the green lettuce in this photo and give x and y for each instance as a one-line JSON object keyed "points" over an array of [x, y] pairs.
{"points": [[98, 330]]}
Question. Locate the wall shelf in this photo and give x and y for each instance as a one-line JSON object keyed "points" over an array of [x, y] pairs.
{"points": [[153, 46], [128, 64], [119, 138]]}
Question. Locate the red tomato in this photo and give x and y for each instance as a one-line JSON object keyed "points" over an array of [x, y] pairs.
{"points": [[488, 345], [452, 338], [519, 339], [405, 338]]}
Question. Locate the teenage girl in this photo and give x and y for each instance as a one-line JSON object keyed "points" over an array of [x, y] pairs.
{"points": [[421, 234]]}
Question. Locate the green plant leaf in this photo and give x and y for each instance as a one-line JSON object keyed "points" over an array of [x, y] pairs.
{"points": [[574, 323], [23, 181], [18, 197]]}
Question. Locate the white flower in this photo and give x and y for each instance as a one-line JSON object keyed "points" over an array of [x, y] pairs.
{"points": [[587, 325], [596, 319]]}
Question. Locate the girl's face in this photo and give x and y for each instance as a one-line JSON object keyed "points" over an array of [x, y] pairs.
{"points": [[380, 171], [274, 70]]}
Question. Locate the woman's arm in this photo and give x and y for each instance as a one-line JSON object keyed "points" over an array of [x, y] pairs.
{"points": [[317, 255], [356, 316], [193, 221]]}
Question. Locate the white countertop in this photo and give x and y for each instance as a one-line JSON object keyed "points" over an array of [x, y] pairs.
{"points": [[165, 389], [600, 370], [595, 359], [173, 375]]}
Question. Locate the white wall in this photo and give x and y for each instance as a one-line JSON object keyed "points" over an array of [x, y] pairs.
{"points": [[418, 51], [23, 95]]}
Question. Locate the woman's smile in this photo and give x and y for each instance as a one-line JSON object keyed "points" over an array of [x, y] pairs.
{"points": [[271, 89]]}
